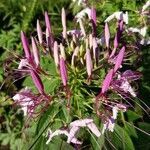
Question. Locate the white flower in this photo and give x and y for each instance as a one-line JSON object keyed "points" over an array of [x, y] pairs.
{"points": [[71, 137], [77, 33], [119, 16], [72, 133], [109, 124], [146, 5], [94, 129], [82, 14], [116, 108], [141, 31], [85, 123], [23, 100], [145, 42], [80, 2], [81, 123], [126, 87], [23, 63], [74, 127], [115, 112], [57, 132]]}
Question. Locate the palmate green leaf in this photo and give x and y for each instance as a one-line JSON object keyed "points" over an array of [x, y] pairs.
{"points": [[51, 85], [48, 65], [132, 116], [44, 122], [57, 143], [49, 120], [47, 117], [4, 138], [97, 143], [66, 114], [143, 141], [120, 139], [29, 83], [130, 130]]}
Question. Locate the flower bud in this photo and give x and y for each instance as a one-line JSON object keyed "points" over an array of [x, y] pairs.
{"points": [[82, 27], [107, 81], [37, 81], [39, 32], [62, 51], [75, 54], [90, 41], [63, 19], [47, 22], [119, 59], [56, 56], [89, 65], [63, 71], [107, 35], [35, 52], [25, 45]]}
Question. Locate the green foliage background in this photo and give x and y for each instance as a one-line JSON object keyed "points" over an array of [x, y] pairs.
{"points": [[22, 15]]}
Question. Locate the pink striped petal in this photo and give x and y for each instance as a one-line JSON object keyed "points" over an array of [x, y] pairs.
{"points": [[107, 81], [63, 71], [25, 45], [72, 133], [35, 52], [81, 123], [94, 129], [119, 59], [37, 81], [107, 35]]}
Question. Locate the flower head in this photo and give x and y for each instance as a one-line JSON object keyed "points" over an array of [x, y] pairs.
{"points": [[24, 99]]}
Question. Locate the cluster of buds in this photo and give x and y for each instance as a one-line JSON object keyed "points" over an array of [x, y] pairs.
{"points": [[81, 49]]}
